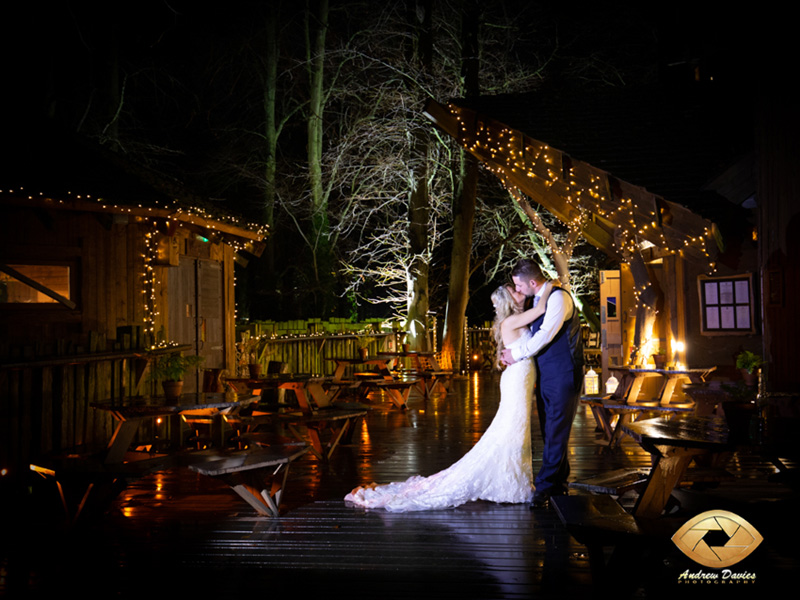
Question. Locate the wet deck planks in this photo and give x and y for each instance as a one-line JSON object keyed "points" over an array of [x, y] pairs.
{"points": [[176, 531]]}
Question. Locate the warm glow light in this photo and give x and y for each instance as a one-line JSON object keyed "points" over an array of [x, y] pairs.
{"points": [[591, 383], [42, 470]]}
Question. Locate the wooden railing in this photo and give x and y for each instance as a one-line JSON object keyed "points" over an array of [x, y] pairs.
{"points": [[46, 395]]}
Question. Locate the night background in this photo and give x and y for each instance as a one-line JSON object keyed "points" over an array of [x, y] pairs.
{"points": [[660, 96], [255, 113]]}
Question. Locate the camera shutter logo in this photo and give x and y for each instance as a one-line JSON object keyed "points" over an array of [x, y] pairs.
{"points": [[717, 539]]}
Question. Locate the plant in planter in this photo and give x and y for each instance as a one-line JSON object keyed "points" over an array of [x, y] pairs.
{"points": [[253, 351], [660, 358], [169, 368], [749, 363], [363, 346]]}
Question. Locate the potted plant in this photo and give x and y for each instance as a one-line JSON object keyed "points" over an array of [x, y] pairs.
{"points": [[170, 368], [363, 346], [660, 358], [749, 363], [253, 351]]}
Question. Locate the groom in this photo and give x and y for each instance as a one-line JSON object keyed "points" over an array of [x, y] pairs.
{"points": [[557, 351]]}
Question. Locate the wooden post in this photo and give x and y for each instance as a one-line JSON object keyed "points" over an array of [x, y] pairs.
{"points": [[646, 295]]}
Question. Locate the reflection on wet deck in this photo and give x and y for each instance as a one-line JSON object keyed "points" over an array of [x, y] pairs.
{"points": [[177, 532]]}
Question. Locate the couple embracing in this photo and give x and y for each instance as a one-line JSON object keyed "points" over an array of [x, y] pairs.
{"points": [[499, 467]]}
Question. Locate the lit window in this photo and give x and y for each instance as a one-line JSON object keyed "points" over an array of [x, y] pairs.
{"points": [[30, 284], [727, 305]]}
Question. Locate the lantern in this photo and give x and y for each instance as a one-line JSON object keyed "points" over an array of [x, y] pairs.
{"points": [[611, 385], [591, 383]]}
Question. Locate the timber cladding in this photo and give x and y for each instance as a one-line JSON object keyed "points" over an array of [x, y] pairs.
{"points": [[81, 336]]}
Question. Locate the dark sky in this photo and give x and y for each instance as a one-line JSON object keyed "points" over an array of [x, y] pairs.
{"points": [[53, 65], [54, 53], [66, 39]]}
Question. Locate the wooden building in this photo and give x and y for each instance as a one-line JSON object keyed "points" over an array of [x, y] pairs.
{"points": [[680, 285], [89, 289], [778, 144]]}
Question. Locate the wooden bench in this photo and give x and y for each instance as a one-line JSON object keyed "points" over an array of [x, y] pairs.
{"points": [[340, 422], [606, 408], [620, 481], [258, 476], [397, 390], [85, 483], [599, 522], [614, 483]]}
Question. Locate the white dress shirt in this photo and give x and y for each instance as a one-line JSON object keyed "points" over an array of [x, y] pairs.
{"points": [[559, 309]]}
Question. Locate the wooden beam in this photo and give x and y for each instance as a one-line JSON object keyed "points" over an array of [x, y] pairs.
{"points": [[622, 214]]}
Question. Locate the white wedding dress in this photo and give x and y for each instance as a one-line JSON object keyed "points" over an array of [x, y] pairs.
{"points": [[498, 468]]}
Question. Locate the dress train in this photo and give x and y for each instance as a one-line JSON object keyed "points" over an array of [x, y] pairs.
{"points": [[498, 468]]}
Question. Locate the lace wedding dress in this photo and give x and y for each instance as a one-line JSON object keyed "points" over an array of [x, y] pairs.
{"points": [[498, 468]]}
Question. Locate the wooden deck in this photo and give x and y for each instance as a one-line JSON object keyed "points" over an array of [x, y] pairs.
{"points": [[179, 533]]}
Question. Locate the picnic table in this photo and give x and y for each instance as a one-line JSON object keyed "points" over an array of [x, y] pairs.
{"points": [[312, 391], [425, 369], [340, 422], [632, 379], [599, 522], [317, 414], [380, 361], [606, 409], [625, 406], [259, 477], [84, 480], [129, 415], [673, 443], [395, 386]]}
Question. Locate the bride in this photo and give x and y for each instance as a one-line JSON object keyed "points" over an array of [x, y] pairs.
{"points": [[498, 468]]}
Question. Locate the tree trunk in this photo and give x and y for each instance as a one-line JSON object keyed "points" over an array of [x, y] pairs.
{"points": [[419, 211], [419, 200], [458, 293], [463, 206], [270, 132], [320, 233]]}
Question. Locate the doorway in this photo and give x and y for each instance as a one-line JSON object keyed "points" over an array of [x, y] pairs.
{"points": [[196, 313]]}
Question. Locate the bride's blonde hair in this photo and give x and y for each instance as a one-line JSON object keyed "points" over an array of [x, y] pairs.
{"points": [[504, 307]]}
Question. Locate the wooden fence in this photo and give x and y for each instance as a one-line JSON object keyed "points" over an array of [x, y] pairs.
{"points": [[309, 346], [313, 354], [46, 393]]}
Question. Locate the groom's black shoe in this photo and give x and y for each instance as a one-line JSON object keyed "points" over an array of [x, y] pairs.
{"points": [[542, 499]]}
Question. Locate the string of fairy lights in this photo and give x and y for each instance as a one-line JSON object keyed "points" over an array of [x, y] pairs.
{"points": [[520, 162], [509, 155], [160, 218]]}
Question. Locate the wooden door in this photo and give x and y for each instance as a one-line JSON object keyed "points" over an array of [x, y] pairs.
{"points": [[196, 313]]}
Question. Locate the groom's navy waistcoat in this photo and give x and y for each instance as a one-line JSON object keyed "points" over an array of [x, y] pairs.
{"points": [[565, 350]]}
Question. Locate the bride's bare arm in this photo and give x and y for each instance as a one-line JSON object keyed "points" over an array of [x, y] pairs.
{"points": [[529, 316]]}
